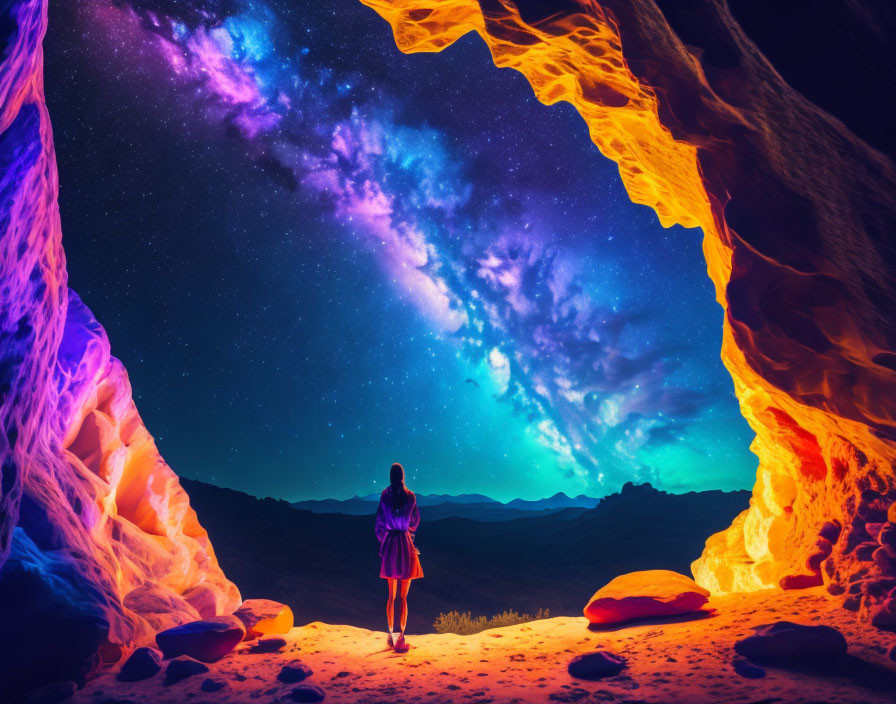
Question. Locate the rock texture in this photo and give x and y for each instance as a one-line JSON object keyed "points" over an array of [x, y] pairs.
{"points": [[798, 207], [89, 511], [646, 594]]}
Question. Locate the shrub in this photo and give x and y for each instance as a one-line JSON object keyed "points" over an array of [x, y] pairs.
{"points": [[465, 624]]}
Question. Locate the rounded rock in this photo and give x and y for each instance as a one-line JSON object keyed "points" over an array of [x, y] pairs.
{"points": [[295, 671], [596, 666], [306, 693], [142, 664], [207, 640]]}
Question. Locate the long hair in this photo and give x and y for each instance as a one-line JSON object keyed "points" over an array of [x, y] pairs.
{"points": [[397, 488]]}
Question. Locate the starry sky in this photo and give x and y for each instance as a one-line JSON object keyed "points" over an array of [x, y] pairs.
{"points": [[316, 256]]}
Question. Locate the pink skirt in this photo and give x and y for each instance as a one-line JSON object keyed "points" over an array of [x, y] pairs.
{"points": [[400, 560]]}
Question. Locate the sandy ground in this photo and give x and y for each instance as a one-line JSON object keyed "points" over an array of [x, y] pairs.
{"points": [[688, 661]]}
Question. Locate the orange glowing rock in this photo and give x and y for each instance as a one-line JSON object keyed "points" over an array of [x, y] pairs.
{"points": [[264, 617], [797, 214], [645, 594]]}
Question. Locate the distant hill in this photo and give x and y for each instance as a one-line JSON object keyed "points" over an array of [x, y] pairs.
{"points": [[473, 506], [326, 566]]}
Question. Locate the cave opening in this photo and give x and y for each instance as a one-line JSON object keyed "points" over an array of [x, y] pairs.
{"points": [[703, 133]]}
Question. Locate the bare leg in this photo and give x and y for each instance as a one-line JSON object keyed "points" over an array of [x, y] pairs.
{"points": [[390, 605], [405, 586]]}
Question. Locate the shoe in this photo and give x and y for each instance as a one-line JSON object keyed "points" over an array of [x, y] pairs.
{"points": [[390, 641], [401, 645]]}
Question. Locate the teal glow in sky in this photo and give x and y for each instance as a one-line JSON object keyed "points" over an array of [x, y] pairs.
{"points": [[317, 256]]}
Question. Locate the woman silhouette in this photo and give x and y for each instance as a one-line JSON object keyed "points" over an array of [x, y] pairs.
{"points": [[396, 520]]}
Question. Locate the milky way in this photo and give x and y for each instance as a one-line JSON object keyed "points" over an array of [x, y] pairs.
{"points": [[539, 324]]}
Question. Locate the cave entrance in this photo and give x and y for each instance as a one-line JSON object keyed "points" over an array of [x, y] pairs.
{"points": [[379, 277]]}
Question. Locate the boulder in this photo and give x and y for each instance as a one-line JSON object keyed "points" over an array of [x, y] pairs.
{"points": [[206, 640], [293, 672], [181, 668], [596, 666], [306, 693], [643, 595], [264, 617], [267, 645], [783, 642], [143, 663]]}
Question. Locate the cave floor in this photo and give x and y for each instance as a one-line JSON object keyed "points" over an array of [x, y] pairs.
{"points": [[686, 661]]}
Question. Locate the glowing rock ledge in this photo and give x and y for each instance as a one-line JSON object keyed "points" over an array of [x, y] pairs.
{"points": [[797, 212], [98, 544]]}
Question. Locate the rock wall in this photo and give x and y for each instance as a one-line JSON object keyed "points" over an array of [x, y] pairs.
{"points": [[798, 217], [98, 544]]}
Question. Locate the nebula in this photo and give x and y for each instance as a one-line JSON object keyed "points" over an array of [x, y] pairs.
{"points": [[476, 262]]}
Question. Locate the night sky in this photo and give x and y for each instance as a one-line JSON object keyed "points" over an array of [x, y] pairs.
{"points": [[316, 256]]}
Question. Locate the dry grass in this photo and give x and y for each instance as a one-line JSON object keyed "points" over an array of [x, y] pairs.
{"points": [[465, 624]]}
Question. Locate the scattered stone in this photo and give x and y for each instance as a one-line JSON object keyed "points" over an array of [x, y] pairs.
{"points": [[346, 674], [264, 617], [207, 640], [306, 693], [51, 693], [181, 668], [784, 641], [142, 664], [596, 666], [211, 685], [294, 671], [267, 645], [645, 594], [745, 668]]}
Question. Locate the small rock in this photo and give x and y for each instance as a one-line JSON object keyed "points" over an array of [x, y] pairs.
{"points": [[142, 664], [645, 594], [267, 645], [211, 685], [784, 641], [181, 668], [207, 640], [596, 666], [745, 668], [264, 617], [306, 693], [294, 671]]}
